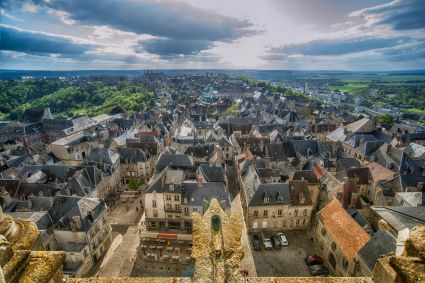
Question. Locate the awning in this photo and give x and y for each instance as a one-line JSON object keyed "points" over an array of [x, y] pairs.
{"points": [[168, 236]]}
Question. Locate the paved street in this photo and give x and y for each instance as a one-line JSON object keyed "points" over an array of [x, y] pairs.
{"points": [[288, 261], [126, 212]]}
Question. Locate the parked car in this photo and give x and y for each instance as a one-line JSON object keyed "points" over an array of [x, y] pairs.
{"points": [[266, 240], [256, 242], [283, 239], [318, 270], [313, 260], [275, 242]]}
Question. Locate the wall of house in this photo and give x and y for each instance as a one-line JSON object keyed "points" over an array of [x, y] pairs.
{"points": [[154, 213], [278, 217], [331, 253]]}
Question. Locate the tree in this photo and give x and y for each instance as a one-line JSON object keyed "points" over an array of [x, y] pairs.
{"points": [[385, 119]]}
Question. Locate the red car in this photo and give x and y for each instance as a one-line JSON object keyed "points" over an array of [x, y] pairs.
{"points": [[313, 260]]}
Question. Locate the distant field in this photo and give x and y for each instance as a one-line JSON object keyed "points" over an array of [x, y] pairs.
{"points": [[348, 87], [416, 111]]}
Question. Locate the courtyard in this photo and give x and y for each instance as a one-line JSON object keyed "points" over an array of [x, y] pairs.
{"points": [[289, 260]]}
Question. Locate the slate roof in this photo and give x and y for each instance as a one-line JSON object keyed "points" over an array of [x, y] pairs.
{"points": [[200, 150], [306, 147], [168, 180], [65, 207], [195, 193], [132, 155], [278, 193], [174, 160], [401, 217], [103, 155], [280, 151], [381, 244], [308, 175], [212, 173], [268, 172]]}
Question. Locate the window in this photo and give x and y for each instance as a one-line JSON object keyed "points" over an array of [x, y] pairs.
{"points": [[176, 197], [195, 209], [279, 213], [266, 199], [305, 212], [256, 213], [168, 197], [155, 213], [153, 203], [297, 222], [177, 207], [168, 206], [153, 224], [304, 221], [265, 213], [186, 211], [296, 212]]}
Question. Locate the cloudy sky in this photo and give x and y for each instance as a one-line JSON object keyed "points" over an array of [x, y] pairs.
{"points": [[230, 34]]}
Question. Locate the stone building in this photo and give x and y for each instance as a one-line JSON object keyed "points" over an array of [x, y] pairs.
{"points": [[170, 200], [279, 206], [81, 230], [135, 163], [74, 147], [339, 239]]}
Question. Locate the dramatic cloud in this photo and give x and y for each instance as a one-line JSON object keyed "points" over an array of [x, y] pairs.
{"points": [[174, 47], [13, 39], [269, 34], [398, 14], [332, 47], [162, 18]]}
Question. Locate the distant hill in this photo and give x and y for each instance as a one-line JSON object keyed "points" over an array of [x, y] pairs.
{"points": [[64, 99]]}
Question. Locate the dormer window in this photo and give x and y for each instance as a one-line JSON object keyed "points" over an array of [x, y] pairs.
{"points": [[279, 199], [266, 200]]}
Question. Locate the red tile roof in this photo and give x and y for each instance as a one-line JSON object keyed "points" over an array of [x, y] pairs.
{"points": [[343, 229]]}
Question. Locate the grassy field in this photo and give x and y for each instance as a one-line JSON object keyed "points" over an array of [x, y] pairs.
{"points": [[348, 87], [416, 111]]}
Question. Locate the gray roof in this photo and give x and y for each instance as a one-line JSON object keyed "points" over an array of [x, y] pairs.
{"points": [[174, 160], [382, 243], [103, 155], [200, 150], [277, 193], [196, 193], [400, 217], [308, 175], [65, 207], [212, 173], [132, 155]]}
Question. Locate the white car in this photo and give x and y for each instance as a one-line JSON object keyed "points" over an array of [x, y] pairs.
{"points": [[283, 239]]}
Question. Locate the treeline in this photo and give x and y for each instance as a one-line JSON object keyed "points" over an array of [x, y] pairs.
{"points": [[68, 100]]}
